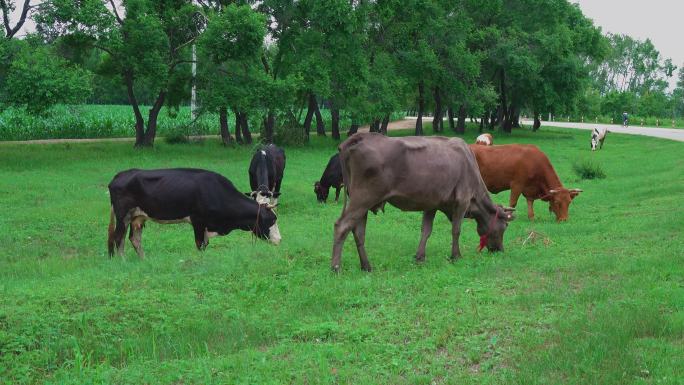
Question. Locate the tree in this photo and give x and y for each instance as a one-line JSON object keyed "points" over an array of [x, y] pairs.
{"points": [[38, 79], [7, 7], [144, 40]]}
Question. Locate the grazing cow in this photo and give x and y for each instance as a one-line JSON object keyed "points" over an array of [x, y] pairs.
{"points": [[205, 199], [597, 137], [266, 174], [525, 170], [427, 174], [332, 177], [485, 140]]}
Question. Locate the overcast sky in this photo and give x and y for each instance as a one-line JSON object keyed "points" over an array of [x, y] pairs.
{"points": [[662, 21]]}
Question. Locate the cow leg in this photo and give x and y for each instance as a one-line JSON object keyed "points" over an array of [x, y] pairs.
{"points": [[530, 208], [337, 194], [359, 232], [135, 236], [201, 240], [118, 237], [348, 221], [515, 194], [426, 230], [456, 219]]}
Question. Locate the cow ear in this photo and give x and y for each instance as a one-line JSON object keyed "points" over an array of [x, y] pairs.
{"points": [[249, 194], [276, 194]]}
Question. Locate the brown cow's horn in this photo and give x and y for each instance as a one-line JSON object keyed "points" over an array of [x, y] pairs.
{"points": [[553, 191], [576, 190]]}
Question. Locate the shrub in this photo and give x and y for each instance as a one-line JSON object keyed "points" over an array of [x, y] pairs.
{"points": [[588, 169]]}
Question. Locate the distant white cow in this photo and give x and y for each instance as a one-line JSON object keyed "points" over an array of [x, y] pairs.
{"points": [[485, 140], [597, 137]]}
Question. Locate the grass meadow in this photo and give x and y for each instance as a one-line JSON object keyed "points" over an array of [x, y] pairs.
{"points": [[596, 300]]}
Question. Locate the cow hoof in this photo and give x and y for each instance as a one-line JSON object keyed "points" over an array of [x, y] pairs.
{"points": [[367, 269], [335, 269], [420, 258], [454, 258]]}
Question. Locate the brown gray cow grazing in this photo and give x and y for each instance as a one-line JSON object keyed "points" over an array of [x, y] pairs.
{"points": [[427, 174]]}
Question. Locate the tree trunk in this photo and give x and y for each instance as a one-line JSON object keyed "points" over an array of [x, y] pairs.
{"points": [[139, 121], [460, 126], [450, 113], [515, 118], [245, 128], [437, 119], [483, 121], [223, 124], [238, 127], [385, 123], [269, 126], [353, 129], [537, 122], [421, 107], [320, 125], [375, 126], [503, 109], [309, 115], [335, 117], [151, 132]]}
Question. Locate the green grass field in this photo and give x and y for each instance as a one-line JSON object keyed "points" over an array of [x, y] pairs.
{"points": [[596, 300]]}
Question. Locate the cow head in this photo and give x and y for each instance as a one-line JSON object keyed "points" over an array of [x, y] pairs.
{"points": [[594, 142], [267, 224], [491, 234], [321, 192], [559, 201], [264, 197]]}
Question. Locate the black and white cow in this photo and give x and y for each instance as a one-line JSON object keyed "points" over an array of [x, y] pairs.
{"points": [[598, 135], [266, 174], [205, 199], [332, 177]]}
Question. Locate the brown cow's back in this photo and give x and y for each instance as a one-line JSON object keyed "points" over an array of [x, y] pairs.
{"points": [[503, 165]]}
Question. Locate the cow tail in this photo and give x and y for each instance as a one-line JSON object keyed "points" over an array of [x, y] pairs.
{"points": [[345, 180], [110, 232]]}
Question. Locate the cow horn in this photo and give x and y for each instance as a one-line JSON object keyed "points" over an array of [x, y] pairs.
{"points": [[577, 190], [508, 209], [270, 206], [553, 191]]}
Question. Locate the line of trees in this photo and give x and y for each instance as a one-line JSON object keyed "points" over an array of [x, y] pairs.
{"points": [[279, 61]]}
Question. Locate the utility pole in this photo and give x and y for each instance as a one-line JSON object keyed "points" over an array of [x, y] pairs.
{"points": [[193, 93]]}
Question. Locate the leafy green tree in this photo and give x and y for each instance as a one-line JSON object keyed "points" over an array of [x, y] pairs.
{"points": [[37, 79], [143, 40]]}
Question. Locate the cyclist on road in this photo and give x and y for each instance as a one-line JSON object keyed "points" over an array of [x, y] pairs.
{"points": [[625, 119]]}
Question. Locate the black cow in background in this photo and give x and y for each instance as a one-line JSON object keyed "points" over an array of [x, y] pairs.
{"points": [[332, 177], [266, 174], [206, 200]]}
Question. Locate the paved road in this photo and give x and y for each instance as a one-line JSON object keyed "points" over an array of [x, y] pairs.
{"points": [[656, 132]]}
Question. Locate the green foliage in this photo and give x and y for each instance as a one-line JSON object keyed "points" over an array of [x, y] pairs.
{"points": [[87, 121], [588, 169], [596, 300], [37, 79]]}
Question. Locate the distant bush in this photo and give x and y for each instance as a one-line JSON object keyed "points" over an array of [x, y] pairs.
{"points": [[588, 169]]}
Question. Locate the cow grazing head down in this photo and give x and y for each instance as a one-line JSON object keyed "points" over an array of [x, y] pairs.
{"points": [[491, 235], [559, 201], [321, 193], [266, 226], [485, 140]]}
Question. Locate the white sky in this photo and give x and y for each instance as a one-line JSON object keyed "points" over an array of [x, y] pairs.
{"points": [[659, 20]]}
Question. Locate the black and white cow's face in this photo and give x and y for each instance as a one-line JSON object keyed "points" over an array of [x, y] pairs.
{"points": [[267, 225]]}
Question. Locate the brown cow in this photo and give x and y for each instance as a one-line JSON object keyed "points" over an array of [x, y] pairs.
{"points": [[427, 174], [524, 169]]}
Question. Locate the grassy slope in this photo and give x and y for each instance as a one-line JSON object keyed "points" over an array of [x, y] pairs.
{"points": [[600, 300]]}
